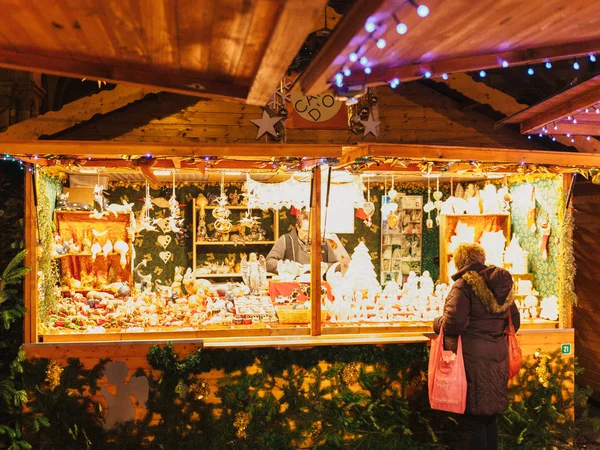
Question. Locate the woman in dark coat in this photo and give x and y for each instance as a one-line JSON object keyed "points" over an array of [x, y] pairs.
{"points": [[477, 309]]}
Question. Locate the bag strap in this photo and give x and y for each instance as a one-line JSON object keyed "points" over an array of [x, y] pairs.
{"points": [[509, 318]]}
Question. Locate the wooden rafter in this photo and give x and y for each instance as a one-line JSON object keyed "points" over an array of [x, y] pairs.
{"points": [[455, 37], [522, 57], [558, 107], [284, 43], [454, 153], [75, 112], [129, 74], [111, 149], [507, 105], [311, 81]]}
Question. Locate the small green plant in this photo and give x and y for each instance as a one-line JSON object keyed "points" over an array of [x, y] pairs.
{"points": [[11, 396]]}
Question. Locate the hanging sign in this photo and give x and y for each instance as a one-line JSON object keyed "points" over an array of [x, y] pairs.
{"points": [[321, 111]]}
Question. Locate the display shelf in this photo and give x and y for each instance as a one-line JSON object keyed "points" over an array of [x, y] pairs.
{"points": [[219, 275], [448, 223], [405, 237], [79, 227], [235, 243], [229, 243], [86, 254]]}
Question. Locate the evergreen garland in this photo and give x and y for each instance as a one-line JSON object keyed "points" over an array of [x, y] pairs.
{"points": [[371, 397]]}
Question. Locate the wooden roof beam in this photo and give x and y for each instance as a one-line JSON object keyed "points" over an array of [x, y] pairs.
{"points": [[507, 105], [130, 74], [75, 112], [561, 111], [455, 153], [295, 23], [383, 75], [564, 128], [311, 80], [111, 149]]}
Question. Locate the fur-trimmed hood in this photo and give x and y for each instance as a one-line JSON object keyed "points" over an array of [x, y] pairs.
{"points": [[492, 285]]}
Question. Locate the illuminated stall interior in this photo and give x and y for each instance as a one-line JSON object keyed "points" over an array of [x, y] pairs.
{"points": [[175, 248]]}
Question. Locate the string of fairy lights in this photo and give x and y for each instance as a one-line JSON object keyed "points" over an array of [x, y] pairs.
{"points": [[377, 28]]}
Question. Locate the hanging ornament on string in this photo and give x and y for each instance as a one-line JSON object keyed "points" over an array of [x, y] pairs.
{"points": [[392, 193], [438, 203], [174, 221], [221, 213], [392, 219], [531, 212], [429, 206], [545, 238], [146, 222], [368, 207]]}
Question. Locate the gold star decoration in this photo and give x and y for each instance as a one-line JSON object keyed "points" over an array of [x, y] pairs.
{"points": [[53, 373], [266, 124], [370, 126]]}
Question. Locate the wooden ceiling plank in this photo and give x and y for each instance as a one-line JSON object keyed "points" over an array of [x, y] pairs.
{"points": [[382, 75], [230, 28], [265, 11], [85, 149], [128, 35], [74, 113], [296, 22], [507, 105], [456, 153], [55, 25], [90, 27], [561, 111], [126, 75], [195, 19], [160, 34]]}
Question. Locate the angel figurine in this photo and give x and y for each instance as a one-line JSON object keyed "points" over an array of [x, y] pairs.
{"points": [[254, 272]]}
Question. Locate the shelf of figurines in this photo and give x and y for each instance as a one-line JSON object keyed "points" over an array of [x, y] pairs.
{"points": [[195, 308], [235, 243]]}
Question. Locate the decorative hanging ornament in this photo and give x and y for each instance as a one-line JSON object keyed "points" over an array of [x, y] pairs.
{"points": [[545, 229], [221, 213], [242, 419], [175, 221], [146, 222], [531, 212], [392, 193], [266, 124], [429, 206], [371, 126], [437, 195], [53, 373], [368, 208], [350, 373], [200, 389]]}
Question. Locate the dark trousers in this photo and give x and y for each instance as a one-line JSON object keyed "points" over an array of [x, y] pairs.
{"points": [[479, 432]]}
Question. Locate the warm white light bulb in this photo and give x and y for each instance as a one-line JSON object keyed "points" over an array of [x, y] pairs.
{"points": [[401, 28]]}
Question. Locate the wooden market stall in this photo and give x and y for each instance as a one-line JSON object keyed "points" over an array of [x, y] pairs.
{"points": [[448, 166]]}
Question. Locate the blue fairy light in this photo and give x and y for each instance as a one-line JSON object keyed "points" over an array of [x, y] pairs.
{"points": [[401, 28]]}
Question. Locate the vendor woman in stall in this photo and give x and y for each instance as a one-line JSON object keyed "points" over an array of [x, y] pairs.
{"points": [[295, 246]]}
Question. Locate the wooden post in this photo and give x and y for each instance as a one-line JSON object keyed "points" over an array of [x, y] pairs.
{"points": [[30, 287], [315, 254]]}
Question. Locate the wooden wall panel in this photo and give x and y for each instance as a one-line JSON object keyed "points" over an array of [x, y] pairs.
{"points": [[413, 113], [586, 315]]}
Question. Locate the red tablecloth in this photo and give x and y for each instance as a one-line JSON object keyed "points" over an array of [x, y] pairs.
{"points": [[285, 289]]}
